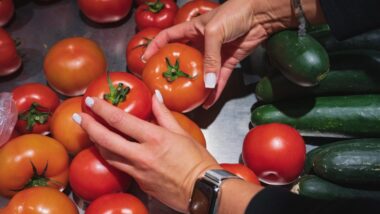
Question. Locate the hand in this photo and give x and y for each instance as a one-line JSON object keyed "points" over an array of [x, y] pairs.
{"points": [[227, 35], [165, 161]]}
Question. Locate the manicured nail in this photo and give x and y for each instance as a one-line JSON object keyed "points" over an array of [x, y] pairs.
{"points": [[89, 102], [159, 96], [143, 59], [210, 80], [77, 118]]}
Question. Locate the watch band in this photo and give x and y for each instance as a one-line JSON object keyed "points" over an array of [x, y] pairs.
{"points": [[206, 194], [298, 11]]}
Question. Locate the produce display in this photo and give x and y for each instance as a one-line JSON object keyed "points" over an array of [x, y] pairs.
{"points": [[319, 87]]}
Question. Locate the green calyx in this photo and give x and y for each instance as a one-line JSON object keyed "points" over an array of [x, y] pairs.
{"points": [[35, 114], [117, 94], [174, 72], [155, 7]]}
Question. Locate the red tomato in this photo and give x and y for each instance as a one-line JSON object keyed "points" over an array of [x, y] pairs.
{"points": [[38, 200], [275, 152], [62, 123], [176, 70], [241, 171], [136, 48], [117, 203], [6, 11], [32, 160], [71, 65], [158, 14], [193, 9], [10, 61], [105, 11], [91, 176], [35, 103], [135, 97]]}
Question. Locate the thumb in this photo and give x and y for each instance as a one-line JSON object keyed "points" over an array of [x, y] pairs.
{"points": [[212, 56]]}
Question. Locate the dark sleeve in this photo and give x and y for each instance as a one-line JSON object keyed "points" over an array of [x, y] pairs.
{"points": [[276, 200], [348, 18]]}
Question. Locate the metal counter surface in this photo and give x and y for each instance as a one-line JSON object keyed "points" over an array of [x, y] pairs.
{"points": [[38, 26]]}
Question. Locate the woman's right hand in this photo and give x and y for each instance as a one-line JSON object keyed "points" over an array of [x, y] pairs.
{"points": [[227, 35]]}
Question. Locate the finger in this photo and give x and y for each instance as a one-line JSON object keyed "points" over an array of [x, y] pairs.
{"points": [[163, 115], [105, 138], [225, 74], [116, 161], [185, 30], [122, 121], [212, 57]]}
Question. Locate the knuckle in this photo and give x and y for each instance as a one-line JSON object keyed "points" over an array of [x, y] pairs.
{"points": [[210, 61], [211, 29], [115, 119]]}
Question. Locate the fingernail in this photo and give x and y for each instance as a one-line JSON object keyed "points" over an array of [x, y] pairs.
{"points": [[210, 80], [158, 95], [77, 118], [143, 59], [89, 102]]}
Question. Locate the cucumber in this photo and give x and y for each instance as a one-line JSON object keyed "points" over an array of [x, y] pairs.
{"points": [[335, 116], [315, 187], [355, 59], [308, 166], [351, 162], [337, 82], [300, 58]]}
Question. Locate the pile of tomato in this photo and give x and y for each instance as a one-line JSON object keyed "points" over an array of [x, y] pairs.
{"points": [[48, 151]]}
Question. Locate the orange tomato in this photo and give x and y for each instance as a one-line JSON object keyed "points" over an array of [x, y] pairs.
{"points": [[193, 9], [191, 127], [32, 160], [176, 70], [65, 130], [242, 171], [72, 63], [39, 200]]}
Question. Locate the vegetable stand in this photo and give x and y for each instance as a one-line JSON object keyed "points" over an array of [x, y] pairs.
{"points": [[40, 25]]}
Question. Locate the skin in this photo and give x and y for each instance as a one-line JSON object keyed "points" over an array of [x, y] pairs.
{"points": [[154, 158]]}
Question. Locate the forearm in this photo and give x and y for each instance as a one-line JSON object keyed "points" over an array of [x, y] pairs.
{"points": [[236, 195]]}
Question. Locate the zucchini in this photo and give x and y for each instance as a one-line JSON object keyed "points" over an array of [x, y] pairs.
{"points": [[315, 187], [335, 116], [352, 162], [308, 166], [300, 58], [337, 82], [355, 59]]}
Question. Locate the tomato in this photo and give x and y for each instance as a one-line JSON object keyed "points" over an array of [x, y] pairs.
{"points": [[127, 92], [117, 203], [6, 11], [176, 70], [275, 152], [35, 103], [62, 124], [38, 200], [32, 160], [160, 14], [105, 11], [10, 61], [91, 176], [136, 48], [191, 127], [241, 171], [71, 65], [193, 9]]}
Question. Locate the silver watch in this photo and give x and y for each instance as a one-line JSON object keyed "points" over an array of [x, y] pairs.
{"points": [[206, 193]]}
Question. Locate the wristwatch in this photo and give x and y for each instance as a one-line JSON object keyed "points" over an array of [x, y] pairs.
{"points": [[206, 193]]}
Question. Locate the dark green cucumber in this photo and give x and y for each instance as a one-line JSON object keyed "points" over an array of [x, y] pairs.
{"points": [[351, 162], [308, 166], [336, 116], [337, 82], [300, 58], [355, 59], [315, 187], [368, 40]]}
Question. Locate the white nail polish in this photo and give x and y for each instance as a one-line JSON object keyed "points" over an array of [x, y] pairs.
{"points": [[159, 96], [210, 80], [77, 118], [143, 59], [89, 101]]}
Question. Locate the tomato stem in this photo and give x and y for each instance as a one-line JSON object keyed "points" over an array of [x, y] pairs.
{"points": [[118, 94], [155, 7], [174, 72], [35, 114]]}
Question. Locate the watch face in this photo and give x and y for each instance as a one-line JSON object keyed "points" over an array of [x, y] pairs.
{"points": [[203, 198]]}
